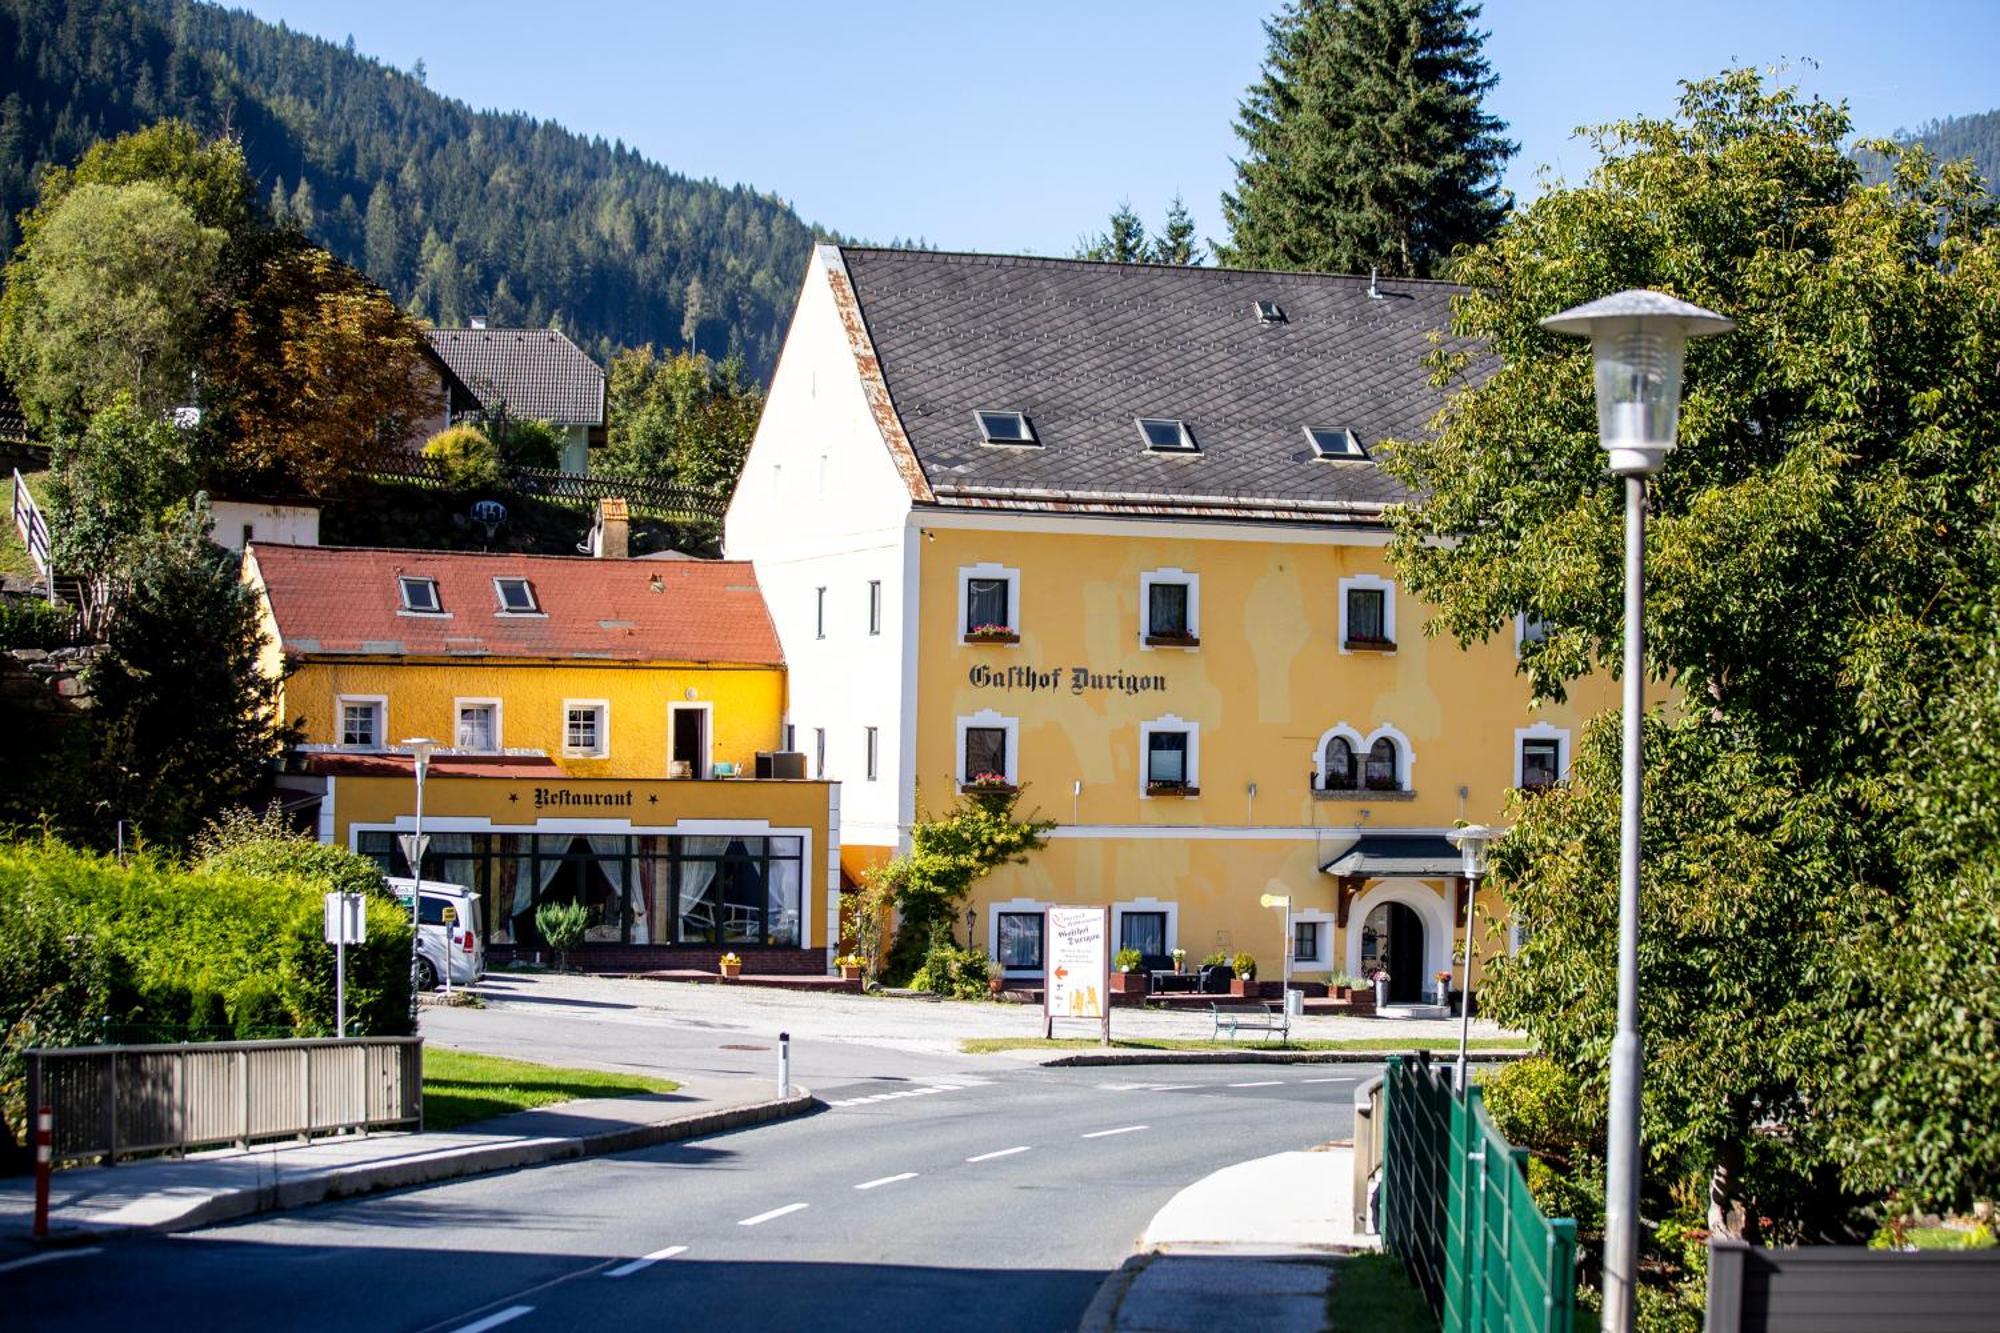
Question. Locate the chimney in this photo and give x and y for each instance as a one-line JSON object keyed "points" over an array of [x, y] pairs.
{"points": [[476, 321], [614, 529]]}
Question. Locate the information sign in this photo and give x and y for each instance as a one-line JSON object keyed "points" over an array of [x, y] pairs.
{"points": [[1077, 966]]}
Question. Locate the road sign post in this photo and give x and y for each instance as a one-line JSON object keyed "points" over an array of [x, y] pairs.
{"points": [[1076, 980], [346, 923], [450, 947]]}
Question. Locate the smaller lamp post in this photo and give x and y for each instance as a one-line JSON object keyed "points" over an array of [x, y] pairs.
{"points": [[1283, 900], [1472, 842], [420, 748]]}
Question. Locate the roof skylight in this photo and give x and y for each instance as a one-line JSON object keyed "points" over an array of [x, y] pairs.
{"points": [[1335, 442], [1005, 428], [419, 594], [1270, 312], [517, 596], [1167, 435]]}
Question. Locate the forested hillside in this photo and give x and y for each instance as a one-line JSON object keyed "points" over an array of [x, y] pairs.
{"points": [[457, 212], [1976, 137]]}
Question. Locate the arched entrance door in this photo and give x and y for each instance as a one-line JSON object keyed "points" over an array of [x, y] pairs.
{"points": [[1392, 939]]}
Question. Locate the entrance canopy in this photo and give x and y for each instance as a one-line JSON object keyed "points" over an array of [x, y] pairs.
{"points": [[1380, 854]]}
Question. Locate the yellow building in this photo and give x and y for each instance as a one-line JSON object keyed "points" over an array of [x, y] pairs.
{"points": [[1114, 534], [598, 722]]}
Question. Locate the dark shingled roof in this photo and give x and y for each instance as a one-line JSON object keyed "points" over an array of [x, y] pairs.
{"points": [[1084, 349], [537, 373]]}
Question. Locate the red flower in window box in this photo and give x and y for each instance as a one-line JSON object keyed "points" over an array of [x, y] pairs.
{"points": [[988, 784], [992, 634]]}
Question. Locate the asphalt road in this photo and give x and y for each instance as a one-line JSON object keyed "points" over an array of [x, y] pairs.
{"points": [[948, 1194]]}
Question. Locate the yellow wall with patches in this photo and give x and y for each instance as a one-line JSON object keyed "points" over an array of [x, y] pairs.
{"points": [[746, 705]]}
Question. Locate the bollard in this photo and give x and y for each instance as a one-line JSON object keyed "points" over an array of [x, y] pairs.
{"points": [[44, 1151], [784, 1066]]}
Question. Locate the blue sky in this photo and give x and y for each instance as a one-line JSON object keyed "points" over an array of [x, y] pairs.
{"points": [[1017, 126]]}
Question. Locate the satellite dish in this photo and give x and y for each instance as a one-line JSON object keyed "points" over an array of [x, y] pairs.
{"points": [[489, 514]]}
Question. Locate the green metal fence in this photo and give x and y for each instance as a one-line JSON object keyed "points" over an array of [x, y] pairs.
{"points": [[1456, 1210]]}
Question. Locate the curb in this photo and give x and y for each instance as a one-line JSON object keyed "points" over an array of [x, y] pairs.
{"points": [[1101, 1315], [444, 1164], [1257, 1057]]}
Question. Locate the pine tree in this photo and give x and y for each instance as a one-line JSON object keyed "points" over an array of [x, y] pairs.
{"points": [[382, 245], [1176, 244], [1124, 243], [1368, 144]]}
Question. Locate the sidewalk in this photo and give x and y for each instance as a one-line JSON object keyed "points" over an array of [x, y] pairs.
{"points": [[1256, 1245], [169, 1194]]}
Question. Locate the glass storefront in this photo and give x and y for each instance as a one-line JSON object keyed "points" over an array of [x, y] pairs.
{"points": [[673, 889]]}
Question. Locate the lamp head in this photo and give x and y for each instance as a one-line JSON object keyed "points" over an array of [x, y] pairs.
{"points": [[420, 748], [1275, 900], [1472, 842], [1637, 341]]}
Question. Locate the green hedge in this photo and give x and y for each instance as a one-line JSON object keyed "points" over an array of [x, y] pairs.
{"points": [[91, 950]]}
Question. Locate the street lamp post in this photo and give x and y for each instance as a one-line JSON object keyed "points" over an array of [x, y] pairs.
{"points": [[420, 748], [1472, 842], [1637, 339], [1283, 900]]}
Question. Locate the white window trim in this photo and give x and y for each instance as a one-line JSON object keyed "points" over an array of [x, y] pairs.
{"points": [[1388, 589], [1167, 905], [1406, 757], [1188, 444], [1170, 722], [603, 707], [706, 764], [1543, 731], [986, 717], [1356, 452], [1521, 631], [381, 702], [874, 607], [1440, 939], [437, 595], [871, 753], [1323, 960], [819, 613], [502, 609], [1146, 581], [1029, 440], [1027, 906], [458, 707], [819, 754], [967, 573], [1354, 742]]}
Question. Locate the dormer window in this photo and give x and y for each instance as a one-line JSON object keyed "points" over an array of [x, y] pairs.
{"points": [[1335, 442], [1005, 428], [517, 597], [420, 595], [1167, 435], [1270, 312]]}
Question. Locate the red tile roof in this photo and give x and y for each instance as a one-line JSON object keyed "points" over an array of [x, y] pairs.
{"points": [[346, 600]]}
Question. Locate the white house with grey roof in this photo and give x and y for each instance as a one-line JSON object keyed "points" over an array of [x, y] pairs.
{"points": [[1114, 534], [536, 374]]}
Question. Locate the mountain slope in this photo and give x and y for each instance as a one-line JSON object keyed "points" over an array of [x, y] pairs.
{"points": [[1975, 136], [456, 212]]}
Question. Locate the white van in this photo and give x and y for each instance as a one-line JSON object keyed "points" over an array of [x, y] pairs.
{"points": [[462, 942]]}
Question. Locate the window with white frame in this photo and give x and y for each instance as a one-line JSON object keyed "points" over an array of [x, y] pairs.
{"points": [[819, 752], [819, 613], [517, 597], [989, 604], [1541, 756], [1309, 941], [1018, 940], [873, 746], [361, 723], [1367, 613], [1170, 608], [1150, 925], [874, 606], [1169, 757], [1167, 435], [1383, 768], [1529, 629], [1334, 442], [988, 750], [1339, 765], [419, 595], [586, 733], [478, 725], [1005, 428]]}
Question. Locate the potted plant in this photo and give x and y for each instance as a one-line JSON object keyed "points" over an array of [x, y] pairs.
{"points": [[1340, 985], [731, 965], [1246, 975], [1443, 980], [995, 783], [850, 966], [1180, 960], [992, 634], [1126, 978], [996, 982], [562, 926], [1381, 980]]}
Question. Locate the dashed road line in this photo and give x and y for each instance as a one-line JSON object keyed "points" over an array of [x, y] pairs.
{"points": [[1107, 1133], [925, 1091], [47, 1255], [646, 1261], [762, 1218], [1004, 1152], [886, 1180], [1260, 1083], [496, 1319], [1329, 1080]]}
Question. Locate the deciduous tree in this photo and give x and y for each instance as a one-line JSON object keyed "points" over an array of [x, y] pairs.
{"points": [[684, 420]]}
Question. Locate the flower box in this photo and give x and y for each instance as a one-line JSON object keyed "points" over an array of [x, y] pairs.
{"points": [[1369, 645], [1130, 983], [1171, 641], [987, 784], [992, 634], [1171, 789]]}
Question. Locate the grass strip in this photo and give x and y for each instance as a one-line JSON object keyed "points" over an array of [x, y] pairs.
{"points": [[1371, 1292], [461, 1086], [1392, 1045]]}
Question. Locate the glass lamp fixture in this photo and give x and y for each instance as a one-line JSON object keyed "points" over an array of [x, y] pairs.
{"points": [[1637, 339], [1472, 842]]}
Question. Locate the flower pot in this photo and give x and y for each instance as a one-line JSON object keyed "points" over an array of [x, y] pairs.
{"points": [[850, 973], [1250, 989], [1130, 983], [1343, 992], [730, 971], [996, 983]]}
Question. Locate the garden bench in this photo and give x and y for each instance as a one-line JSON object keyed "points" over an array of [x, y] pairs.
{"points": [[1250, 1016]]}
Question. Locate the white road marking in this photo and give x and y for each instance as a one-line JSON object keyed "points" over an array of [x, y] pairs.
{"points": [[44, 1257], [1122, 1129], [775, 1212], [1260, 1083], [900, 1093], [1004, 1152], [646, 1261], [1326, 1080], [1174, 1087], [507, 1315], [886, 1180]]}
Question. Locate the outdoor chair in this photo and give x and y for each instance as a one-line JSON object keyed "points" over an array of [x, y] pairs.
{"points": [[1215, 978]]}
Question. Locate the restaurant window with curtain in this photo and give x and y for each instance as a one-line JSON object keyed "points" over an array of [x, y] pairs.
{"points": [[1144, 931], [1020, 942], [986, 605]]}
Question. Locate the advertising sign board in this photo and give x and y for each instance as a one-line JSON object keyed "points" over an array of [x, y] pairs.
{"points": [[1077, 967]]}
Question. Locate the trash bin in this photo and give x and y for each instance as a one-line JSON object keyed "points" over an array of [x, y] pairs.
{"points": [[1295, 1003]]}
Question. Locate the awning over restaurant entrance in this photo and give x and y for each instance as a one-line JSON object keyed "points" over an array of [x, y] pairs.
{"points": [[1379, 854]]}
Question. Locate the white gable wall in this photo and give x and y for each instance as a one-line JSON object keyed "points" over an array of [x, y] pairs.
{"points": [[821, 505]]}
